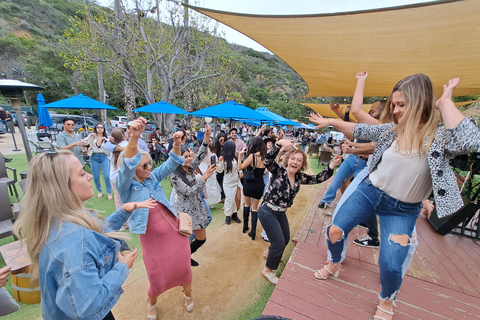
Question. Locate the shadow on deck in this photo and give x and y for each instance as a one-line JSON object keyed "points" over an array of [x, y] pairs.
{"points": [[443, 281]]}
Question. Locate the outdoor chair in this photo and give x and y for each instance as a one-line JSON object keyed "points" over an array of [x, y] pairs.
{"points": [[324, 157], [313, 149], [7, 217], [4, 176]]}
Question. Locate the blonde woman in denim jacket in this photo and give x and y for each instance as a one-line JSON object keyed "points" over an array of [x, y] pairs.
{"points": [[166, 253], [75, 255], [420, 144]]}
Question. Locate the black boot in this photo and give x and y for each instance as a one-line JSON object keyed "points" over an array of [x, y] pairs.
{"points": [[235, 218], [227, 220], [194, 247], [254, 225], [246, 214]]}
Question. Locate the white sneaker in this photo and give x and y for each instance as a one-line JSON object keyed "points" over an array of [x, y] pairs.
{"points": [[99, 195]]}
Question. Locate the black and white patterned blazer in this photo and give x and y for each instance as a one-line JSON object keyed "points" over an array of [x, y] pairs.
{"points": [[447, 144]]}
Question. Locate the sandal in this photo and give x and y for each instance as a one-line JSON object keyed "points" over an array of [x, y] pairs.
{"points": [[270, 276], [319, 275], [189, 307], [265, 254], [151, 316], [390, 313]]}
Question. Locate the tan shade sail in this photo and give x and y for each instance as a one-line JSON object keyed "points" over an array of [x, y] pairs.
{"points": [[440, 39]]}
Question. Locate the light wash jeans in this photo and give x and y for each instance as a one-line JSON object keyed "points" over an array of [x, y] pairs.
{"points": [[396, 217], [351, 164], [371, 222], [98, 160]]}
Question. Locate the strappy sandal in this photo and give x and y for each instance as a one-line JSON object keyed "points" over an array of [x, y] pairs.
{"points": [[151, 316], [319, 275], [190, 307], [390, 313]]}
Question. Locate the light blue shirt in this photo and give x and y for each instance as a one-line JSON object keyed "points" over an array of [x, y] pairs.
{"points": [[131, 190], [80, 277]]}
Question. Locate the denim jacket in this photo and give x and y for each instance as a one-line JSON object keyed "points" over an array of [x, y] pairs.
{"points": [[447, 143], [130, 189], [80, 277]]}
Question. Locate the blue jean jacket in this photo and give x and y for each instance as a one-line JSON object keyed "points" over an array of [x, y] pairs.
{"points": [[80, 277], [130, 189]]}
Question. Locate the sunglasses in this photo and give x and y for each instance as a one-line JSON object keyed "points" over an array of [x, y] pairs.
{"points": [[146, 165], [69, 124], [99, 127], [51, 151]]}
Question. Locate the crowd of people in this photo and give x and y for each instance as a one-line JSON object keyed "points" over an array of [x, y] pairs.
{"points": [[82, 259]]}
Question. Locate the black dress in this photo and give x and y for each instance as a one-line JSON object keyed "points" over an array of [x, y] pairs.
{"points": [[254, 189]]}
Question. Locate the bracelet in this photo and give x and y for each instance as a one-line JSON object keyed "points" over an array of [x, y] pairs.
{"points": [[135, 146], [174, 146]]}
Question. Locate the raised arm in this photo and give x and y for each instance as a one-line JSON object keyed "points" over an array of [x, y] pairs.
{"points": [[340, 125], [322, 175], [337, 110], [357, 102], [450, 114], [137, 127]]}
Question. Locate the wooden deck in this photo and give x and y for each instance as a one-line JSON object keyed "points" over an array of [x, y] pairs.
{"points": [[443, 281]]}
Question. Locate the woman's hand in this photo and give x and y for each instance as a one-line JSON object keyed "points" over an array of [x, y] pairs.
{"points": [[335, 107], [137, 127], [286, 144], [129, 258], [208, 133], [4, 275], [319, 120], [210, 170], [177, 138], [242, 152], [447, 93], [220, 159], [130, 206], [427, 208], [281, 134], [361, 76], [337, 160]]}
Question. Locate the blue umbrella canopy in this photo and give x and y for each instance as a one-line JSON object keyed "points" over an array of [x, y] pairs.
{"points": [[231, 110], [79, 102], [273, 115], [288, 122], [161, 107], [44, 118]]}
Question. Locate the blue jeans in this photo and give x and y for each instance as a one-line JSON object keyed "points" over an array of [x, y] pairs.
{"points": [[371, 222], [98, 160], [351, 164], [275, 224], [396, 217]]}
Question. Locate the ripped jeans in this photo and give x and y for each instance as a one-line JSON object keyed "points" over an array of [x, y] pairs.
{"points": [[396, 218]]}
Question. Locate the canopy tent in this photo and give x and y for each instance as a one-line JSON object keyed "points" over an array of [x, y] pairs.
{"points": [[268, 113], [231, 110], [440, 39], [79, 102], [288, 122], [161, 107]]}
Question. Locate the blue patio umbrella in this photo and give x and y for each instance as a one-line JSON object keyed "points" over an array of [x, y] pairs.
{"points": [[231, 110], [79, 102], [44, 118], [273, 115], [161, 107], [288, 122]]}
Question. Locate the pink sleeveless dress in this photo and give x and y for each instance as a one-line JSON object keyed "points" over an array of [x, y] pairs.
{"points": [[166, 253]]}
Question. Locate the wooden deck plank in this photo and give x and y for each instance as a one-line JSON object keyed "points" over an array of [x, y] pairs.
{"points": [[443, 281]]}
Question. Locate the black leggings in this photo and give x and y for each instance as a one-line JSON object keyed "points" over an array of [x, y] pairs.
{"points": [[109, 316]]}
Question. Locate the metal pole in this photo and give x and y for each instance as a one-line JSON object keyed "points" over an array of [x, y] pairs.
{"points": [[21, 126], [14, 142]]}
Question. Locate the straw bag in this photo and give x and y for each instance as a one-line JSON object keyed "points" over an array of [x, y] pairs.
{"points": [[184, 225]]}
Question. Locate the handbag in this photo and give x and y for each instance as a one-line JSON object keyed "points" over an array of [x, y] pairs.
{"points": [[249, 175], [184, 225]]}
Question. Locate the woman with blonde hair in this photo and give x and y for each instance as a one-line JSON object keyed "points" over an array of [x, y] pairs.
{"points": [[75, 254], [166, 252], [284, 186], [418, 143]]}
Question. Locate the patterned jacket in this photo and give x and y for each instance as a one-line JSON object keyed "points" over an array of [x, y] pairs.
{"points": [[447, 144]]}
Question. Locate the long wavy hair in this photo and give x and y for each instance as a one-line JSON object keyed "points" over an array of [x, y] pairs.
{"points": [[217, 146], [49, 201], [118, 136], [228, 153], [421, 119]]}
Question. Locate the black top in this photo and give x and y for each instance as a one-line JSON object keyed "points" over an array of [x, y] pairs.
{"points": [[279, 192]]}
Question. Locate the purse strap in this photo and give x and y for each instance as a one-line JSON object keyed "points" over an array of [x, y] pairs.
{"points": [[167, 219]]}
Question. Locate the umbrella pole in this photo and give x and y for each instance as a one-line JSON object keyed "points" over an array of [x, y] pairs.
{"points": [[21, 126]]}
